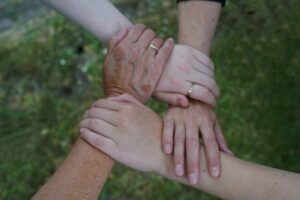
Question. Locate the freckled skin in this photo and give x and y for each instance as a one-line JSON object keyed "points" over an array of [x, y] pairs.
{"points": [[130, 71]]}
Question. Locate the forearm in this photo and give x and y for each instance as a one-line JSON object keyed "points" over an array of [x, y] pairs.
{"points": [[99, 17], [197, 23], [81, 175], [241, 180]]}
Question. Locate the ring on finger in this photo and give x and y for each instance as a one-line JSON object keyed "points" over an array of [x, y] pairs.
{"points": [[153, 47], [190, 90]]}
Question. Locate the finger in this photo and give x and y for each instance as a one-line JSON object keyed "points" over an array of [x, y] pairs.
{"points": [[172, 99], [134, 33], [117, 38], [192, 152], [156, 43], [101, 142], [221, 139], [203, 59], [107, 104], [201, 93], [100, 113], [203, 69], [99, 126], [211, 149], [165, 51], [205, 81], [179, 148], [125, 98], [144, 41], [168, 131]]}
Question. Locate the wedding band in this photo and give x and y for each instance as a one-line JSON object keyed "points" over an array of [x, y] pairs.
{"points": [[190, 91], [154, 47]]}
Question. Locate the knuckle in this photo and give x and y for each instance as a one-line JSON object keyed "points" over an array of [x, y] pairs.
{"points": [[140, 26], [150, 32], [121, 49], [178, 159], [179, 137], [93, 124], [210, 142], [193, 165], [192, 139]]}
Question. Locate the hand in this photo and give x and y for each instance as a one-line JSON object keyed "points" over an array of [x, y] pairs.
{"points": [[181, 137], [126, 130], [131, 67], [187, 66]]}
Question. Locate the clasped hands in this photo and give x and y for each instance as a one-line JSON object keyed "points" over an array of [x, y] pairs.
{"points": [[122, 127]]}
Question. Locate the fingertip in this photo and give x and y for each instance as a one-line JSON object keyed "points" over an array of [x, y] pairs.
{"points": [[168, 148], [193, 178], [215, 171]]}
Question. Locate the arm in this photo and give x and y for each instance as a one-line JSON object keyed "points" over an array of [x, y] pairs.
{"points": [[197, 23], [99, 17], [84, 171], [103, 20], [130, 143], [81, 176]]}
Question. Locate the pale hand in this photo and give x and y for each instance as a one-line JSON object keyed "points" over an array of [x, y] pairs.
{"points": [[126, 130], [187, 66], [182, 130]]}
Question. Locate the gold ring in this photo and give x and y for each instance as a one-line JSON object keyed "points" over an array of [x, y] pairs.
{"points": [[190, 91], [154, 47]]}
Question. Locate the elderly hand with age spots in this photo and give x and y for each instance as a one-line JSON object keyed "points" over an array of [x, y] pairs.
{"points": [[131, 66]]}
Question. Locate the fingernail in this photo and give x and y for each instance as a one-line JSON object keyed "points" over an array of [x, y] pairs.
{"points": [[193, 178], [168, 148], [171, 39], [230, 152], [179, 170], [215, 171]]}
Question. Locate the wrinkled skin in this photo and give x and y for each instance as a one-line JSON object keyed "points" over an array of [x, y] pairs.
{"points": [[131, 66], [182, 130], [187, 66], [126, 130]]}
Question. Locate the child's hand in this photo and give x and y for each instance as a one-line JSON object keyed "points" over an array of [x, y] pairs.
{"points": [[182, 128]]}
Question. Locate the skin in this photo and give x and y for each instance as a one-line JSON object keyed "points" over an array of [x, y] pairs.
{"points": [[130, 143], [181, 130], [131, 66], [103, 20], [85, 170], [183, 127]]}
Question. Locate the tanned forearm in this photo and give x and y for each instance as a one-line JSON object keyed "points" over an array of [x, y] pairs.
{"points": [[81, 175], [197, 23], [85, 170], [99, 17]]}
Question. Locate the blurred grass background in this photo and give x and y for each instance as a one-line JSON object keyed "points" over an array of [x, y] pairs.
{"points": [[50, 74]]}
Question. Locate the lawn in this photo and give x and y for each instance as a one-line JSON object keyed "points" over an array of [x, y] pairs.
{"points": [[50, 72]]}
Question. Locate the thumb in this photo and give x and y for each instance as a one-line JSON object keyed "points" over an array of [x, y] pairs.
{"points": [[125, 98], [174, 99]]}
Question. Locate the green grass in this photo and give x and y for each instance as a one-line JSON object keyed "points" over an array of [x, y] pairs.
{"points": [[50, 74]]}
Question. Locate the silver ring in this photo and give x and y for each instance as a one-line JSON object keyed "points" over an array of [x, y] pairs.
{"points": [[190, 90], [154, 47]]}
